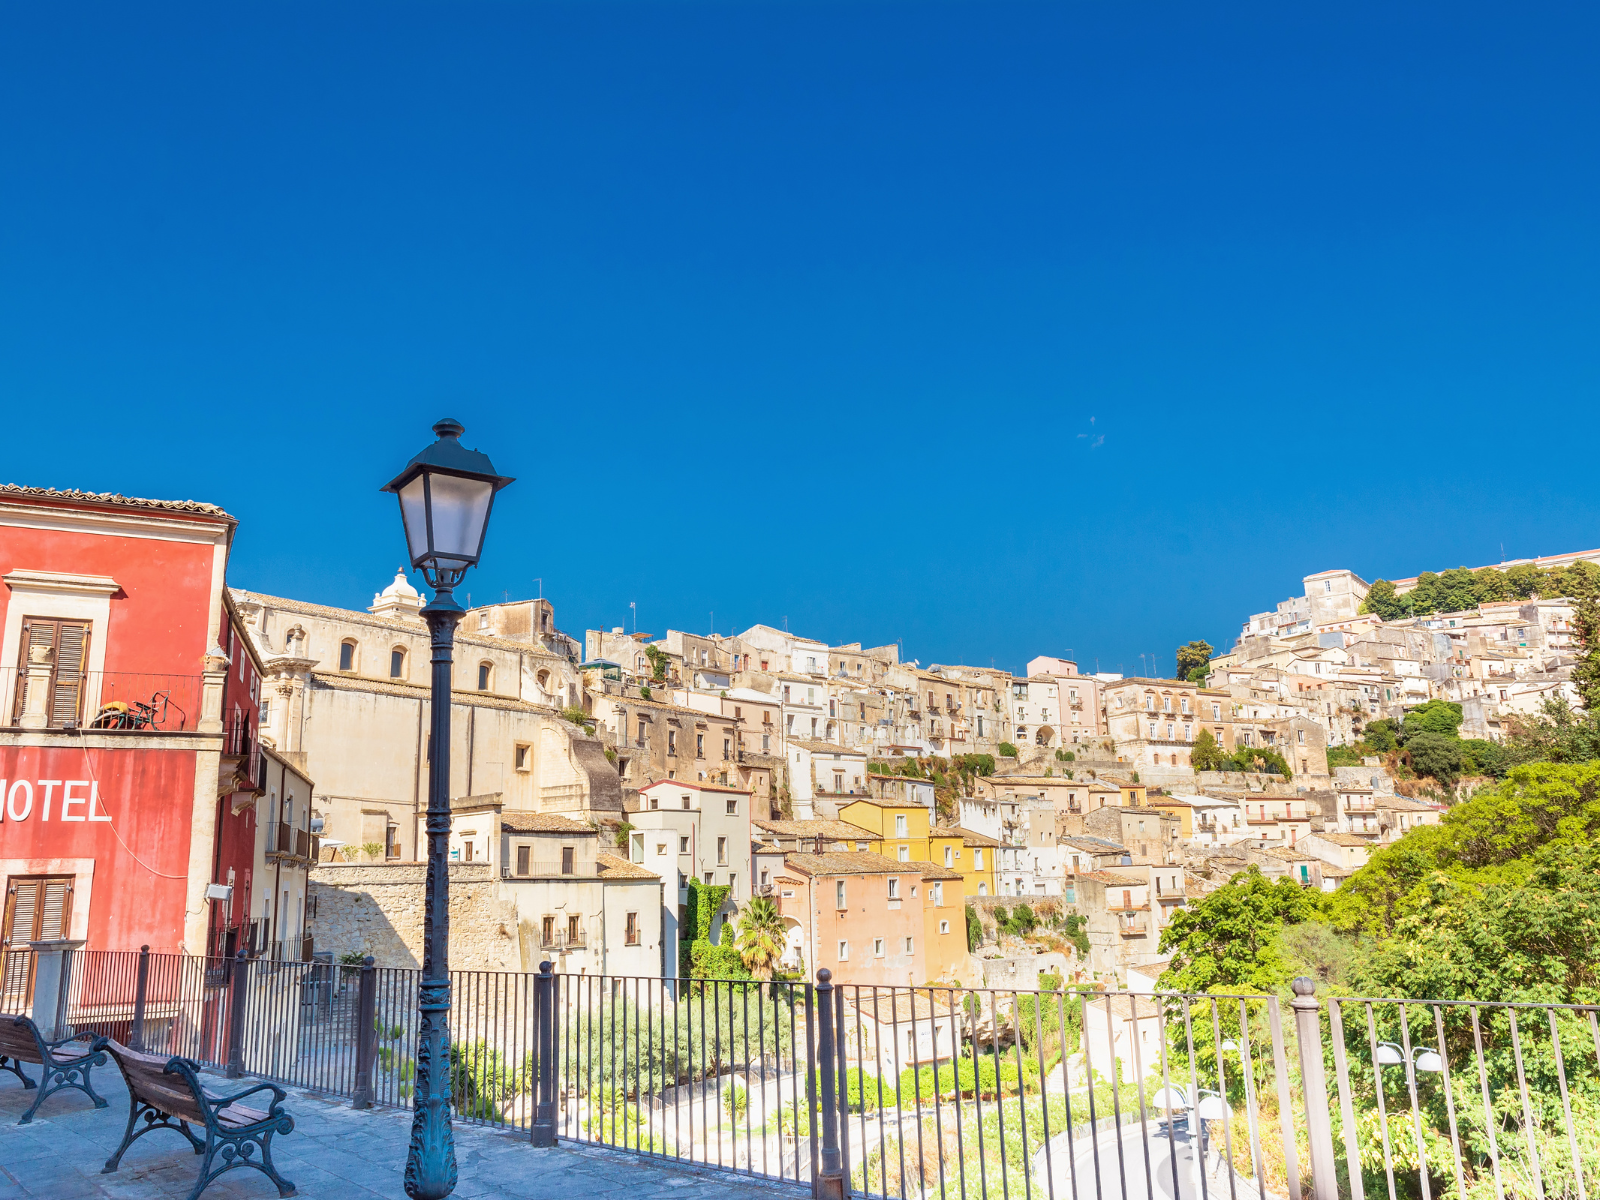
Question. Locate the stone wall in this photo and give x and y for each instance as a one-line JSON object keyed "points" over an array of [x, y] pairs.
{"points": [[377, 909]]}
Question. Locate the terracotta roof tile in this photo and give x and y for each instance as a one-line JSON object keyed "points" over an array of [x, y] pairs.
{"points": [[613, 866], [532, 822], [852, 862], [114, 499]]}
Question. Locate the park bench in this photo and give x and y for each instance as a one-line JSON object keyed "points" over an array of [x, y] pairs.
{"points": [[21, 1042], [167, 1093]]}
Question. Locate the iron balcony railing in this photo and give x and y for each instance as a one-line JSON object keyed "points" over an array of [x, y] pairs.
{"points": [[922, 1092], [109, 701]]}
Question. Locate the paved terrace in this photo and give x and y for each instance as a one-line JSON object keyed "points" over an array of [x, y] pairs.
{"points": [[334, 1153]]}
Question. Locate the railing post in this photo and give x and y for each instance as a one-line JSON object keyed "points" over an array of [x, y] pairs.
{"points": [[544, 1097], [366, 1032], [237, 995], [140, 988], [829, 1183], [1319, 1119]]}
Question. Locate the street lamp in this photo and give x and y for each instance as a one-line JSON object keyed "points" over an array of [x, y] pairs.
{"points": [[445, 495], [1423, 1058]]}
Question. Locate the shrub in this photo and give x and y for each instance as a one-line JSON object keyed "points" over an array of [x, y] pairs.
{"points": [[735, 1100], [1008, 750]]}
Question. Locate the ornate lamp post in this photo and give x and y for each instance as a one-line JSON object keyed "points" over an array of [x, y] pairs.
{"points": [[445, 494]]}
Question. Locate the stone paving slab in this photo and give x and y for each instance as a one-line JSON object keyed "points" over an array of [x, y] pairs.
{"points": [[334, 1153]]}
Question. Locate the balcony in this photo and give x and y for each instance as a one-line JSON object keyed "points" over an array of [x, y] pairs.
{"points": [[550, 869], [121, 701], [562, 939]]}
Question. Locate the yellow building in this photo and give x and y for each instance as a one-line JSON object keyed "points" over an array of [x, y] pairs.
{"points": [[900, 831], [905, 833], [1181, 809]]}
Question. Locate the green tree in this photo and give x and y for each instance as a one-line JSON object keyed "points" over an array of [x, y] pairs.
{"points": [[1206, 755], [1478, 841], [1523, 581], [1230, 939], [1380, 735], [1384, 603], [1557, 734], [1194, 661], [1008, 750], [1435, 755], [1586, 674], [1527, 937], [760, 939], [659, 659], [1436, 716]]}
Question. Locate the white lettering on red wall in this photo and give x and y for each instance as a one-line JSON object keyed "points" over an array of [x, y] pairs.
{"points": [[51, 799]]}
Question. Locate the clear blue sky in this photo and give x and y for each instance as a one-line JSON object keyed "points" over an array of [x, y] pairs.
{"points": [[995, 329]]}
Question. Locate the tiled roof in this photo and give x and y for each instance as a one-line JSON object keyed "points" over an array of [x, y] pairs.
{"points": [[613, 866], [825, 747], [944, 831], [1112, 878], [935, 871], [1094, 845], [875, 801], [532, 822], [973, 838], [841, 831], [699, 787], [851, 862], [115, 499], [1343, 839]]}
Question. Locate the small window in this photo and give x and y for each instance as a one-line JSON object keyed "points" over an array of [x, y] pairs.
{"points": [[568, 855], [397, 663], [900, 825], [905, 853], [686, 803], [877, 947], [347, 656], [909, 945], [631, 929], [844, 951], [485, 674], [733, 806], [838, 893], [523, 853], [722, 852], [522, 758], [944, 926], [894, 887], [683, 845]]}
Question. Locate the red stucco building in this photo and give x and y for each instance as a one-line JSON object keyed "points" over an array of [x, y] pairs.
{"points": [[128, 720]]}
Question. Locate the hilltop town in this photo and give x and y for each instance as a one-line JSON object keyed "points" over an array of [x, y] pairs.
{"points": [[617, 800]]}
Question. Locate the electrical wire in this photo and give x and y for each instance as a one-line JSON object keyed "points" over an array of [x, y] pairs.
{"points": [[78, 729]]}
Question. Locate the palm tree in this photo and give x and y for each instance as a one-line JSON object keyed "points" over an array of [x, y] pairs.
{"points": [[761, 937]]}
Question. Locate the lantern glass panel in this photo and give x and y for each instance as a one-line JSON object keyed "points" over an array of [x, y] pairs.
{"points": [[459, 510], [414, 511]]}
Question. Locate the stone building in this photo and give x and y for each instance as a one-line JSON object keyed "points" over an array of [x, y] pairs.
{"points": [[346, 700]]}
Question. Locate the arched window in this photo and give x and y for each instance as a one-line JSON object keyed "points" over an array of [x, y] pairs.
{"points": [[543, 679], [397, 663], [347, 655], [485, 676]]}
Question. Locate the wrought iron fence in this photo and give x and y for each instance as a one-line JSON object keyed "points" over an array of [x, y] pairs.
{"points": [[918, 1092]]}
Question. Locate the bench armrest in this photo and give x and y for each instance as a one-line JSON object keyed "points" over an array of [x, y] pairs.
{"points": [[218, 1103], [90, 1044]]}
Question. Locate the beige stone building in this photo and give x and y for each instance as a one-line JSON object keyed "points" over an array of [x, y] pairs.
{"points": [[345, 700]]}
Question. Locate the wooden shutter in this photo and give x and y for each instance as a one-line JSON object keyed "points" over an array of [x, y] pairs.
{"points": [[55, 909], [22, 912], [72, 659], [69, 643]]}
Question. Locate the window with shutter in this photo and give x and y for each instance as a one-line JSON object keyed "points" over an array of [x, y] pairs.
{"points": [[68, 644], [38, 909]]}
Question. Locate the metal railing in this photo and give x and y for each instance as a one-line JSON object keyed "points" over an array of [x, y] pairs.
{"points": [[126, 701], [919, 1092]]}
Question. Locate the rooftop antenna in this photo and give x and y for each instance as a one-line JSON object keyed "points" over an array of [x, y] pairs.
{"points": [[540, 582], [634, 605]]}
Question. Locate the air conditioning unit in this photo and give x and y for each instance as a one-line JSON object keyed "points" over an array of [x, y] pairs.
{"points": [[219, 891]]}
